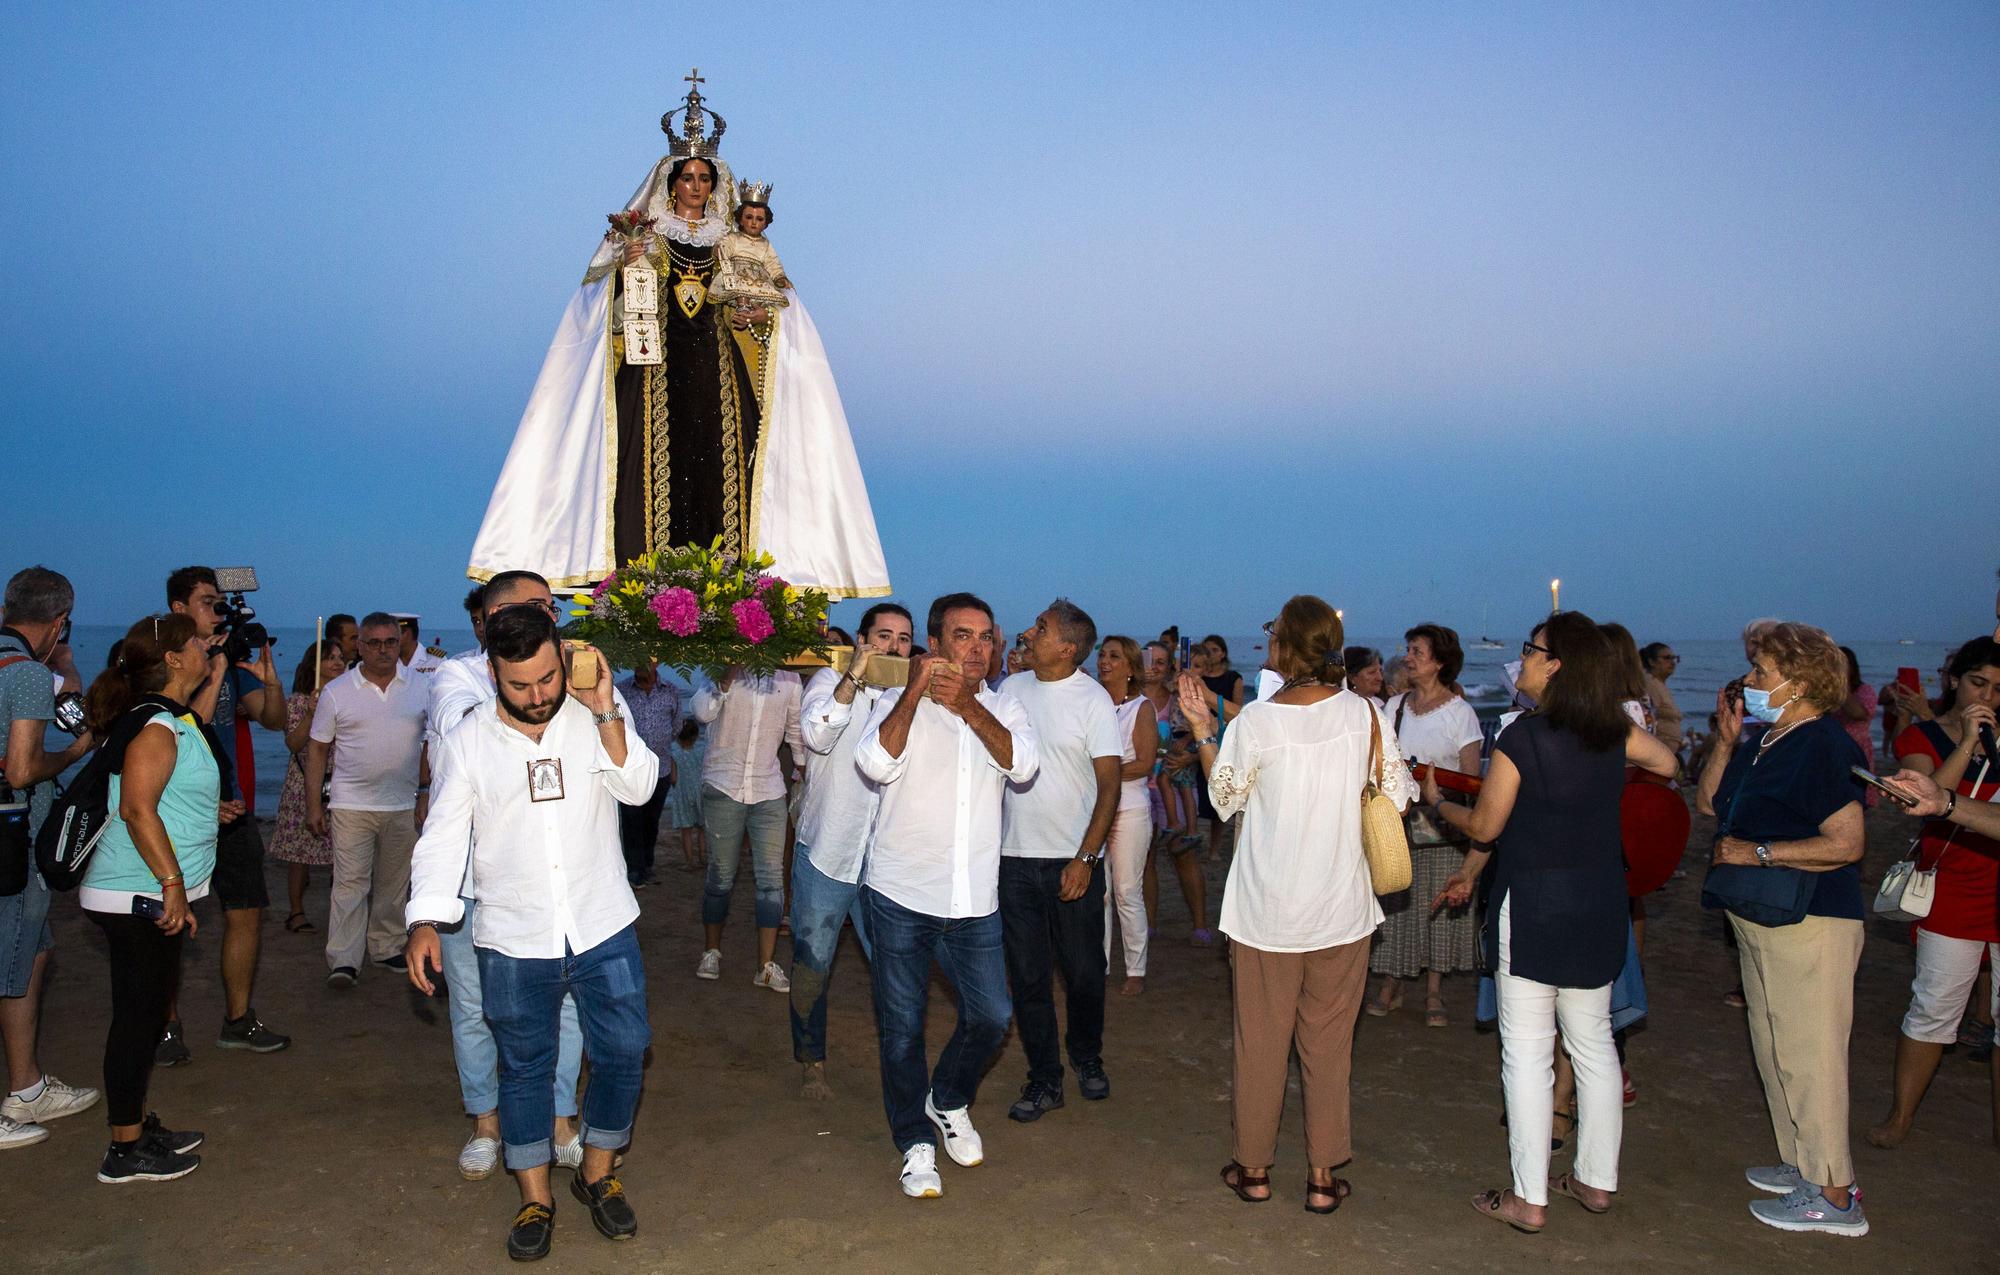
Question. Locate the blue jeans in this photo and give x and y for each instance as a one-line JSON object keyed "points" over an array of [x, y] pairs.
{"points": [[819, 905], [725, 822], [472, 1045], [523, 1002], [968, 951]]}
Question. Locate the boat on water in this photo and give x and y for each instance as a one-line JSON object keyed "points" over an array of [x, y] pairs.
{"points": [[1906, 641], [1485, 642]]}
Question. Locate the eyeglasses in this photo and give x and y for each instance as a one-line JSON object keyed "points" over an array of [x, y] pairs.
{"points": [[1269, 625], [1532, 646], [380, 644], [537, 603]]}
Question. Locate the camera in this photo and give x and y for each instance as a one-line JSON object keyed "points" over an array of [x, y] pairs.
{"points": [[69, 712], [243, 636]]}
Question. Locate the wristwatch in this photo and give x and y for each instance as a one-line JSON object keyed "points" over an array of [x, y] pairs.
{"points": [[1763, 853], [607, 717], [1092, 859]]}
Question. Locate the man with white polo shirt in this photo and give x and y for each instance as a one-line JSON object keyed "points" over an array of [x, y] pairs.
{"points": [[370, 724], [833, 825], [1052, 859], [942, 748]]}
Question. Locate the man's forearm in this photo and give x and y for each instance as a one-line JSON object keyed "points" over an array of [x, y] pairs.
{"points": [[1102, 816], [992, 732], [894, 736]]}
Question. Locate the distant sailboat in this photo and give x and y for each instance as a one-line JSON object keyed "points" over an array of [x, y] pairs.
{"points": [[1486, 643]]}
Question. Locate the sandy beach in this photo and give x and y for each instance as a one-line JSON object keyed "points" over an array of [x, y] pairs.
{"points": [[338, 1154]]}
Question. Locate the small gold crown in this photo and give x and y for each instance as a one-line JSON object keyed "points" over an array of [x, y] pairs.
{"points": [[691, 142], [753, 193]]}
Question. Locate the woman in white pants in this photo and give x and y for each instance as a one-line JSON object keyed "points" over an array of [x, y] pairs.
{"points": [[1131, 841], [1556, 908]]}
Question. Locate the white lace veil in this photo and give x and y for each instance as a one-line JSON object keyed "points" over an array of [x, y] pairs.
{"points": [[656, 199]]}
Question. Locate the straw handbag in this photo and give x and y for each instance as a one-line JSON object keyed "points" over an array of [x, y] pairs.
{"points": [[1382, 836]]}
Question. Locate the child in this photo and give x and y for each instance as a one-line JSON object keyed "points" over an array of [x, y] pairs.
{"points": [[684, 799], [747, 270]]}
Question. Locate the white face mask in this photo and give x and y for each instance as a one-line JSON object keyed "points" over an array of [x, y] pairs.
{"points": [[1268, 683], [1512, 670]]}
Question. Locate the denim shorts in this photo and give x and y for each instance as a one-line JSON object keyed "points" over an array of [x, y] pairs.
{"points": [[24, 934]]}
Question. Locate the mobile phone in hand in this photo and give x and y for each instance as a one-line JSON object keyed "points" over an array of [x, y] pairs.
{"points": [[151, 909], [1874, 780], [1910, 679]]}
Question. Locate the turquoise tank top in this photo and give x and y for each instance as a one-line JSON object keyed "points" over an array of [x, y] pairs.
{"points": [[187, 808]]}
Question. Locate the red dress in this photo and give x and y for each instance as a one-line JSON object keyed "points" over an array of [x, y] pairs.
{"points": [[1967, 905]]}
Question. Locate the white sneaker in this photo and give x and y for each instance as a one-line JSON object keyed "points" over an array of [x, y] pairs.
{"points": [[711, 964], [479, 1159], [920, 1175], [773, 977], [15, 1134], [961, 1140], [57, 1100]]}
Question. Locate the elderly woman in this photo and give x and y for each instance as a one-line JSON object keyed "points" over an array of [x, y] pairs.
{"points": [[154, 859], [1435, 727], [1556, 930], [1964, 921], [1364, 671], [1787, 803], [1299, 905]]}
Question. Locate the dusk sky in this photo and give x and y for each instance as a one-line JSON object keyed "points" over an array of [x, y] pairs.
{"points": [[1171, 311]]}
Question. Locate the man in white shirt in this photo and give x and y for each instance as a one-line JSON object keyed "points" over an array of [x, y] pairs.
{"points": [[833, 826], [462, 686], [529, 790], [370, 724], [1052, 859], [941, 749], [743, 794]]}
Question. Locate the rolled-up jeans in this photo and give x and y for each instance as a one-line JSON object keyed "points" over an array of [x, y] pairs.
{"points": [[726, 821], [472, 1046], [523, 998], [820, 905]]}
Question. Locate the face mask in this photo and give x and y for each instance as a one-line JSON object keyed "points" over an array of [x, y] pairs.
{"points": [[1521, 697], [1758, 703]]}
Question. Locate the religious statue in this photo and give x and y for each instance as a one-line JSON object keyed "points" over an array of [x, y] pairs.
{"points": [[666, 415]]}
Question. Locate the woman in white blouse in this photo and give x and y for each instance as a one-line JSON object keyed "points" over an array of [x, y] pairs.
{"points": [[1299, 906]]}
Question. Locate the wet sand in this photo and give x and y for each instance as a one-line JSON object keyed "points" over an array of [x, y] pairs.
{"points": [[339, 1154]]}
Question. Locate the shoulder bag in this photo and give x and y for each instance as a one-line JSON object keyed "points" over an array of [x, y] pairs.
{"points": [[1382, 837], [1773, 896], [1908, 890]]}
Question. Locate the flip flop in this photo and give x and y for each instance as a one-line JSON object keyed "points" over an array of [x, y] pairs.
{"points": [[1487, 1204], [1563, 1186], [1242, 1181], [1340, 1190], [303, 926]]}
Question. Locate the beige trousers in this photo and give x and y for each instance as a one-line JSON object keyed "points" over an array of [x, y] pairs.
{"points": [[1798, 981], [371, 883], [1310, 999]]}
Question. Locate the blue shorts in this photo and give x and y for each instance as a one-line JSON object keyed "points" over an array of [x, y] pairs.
{"points": [[24, 934]]}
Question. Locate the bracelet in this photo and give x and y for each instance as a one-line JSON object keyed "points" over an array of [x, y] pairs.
{"points": [[1950, 804], [166, 881], [418, 926], [1206, 741]]}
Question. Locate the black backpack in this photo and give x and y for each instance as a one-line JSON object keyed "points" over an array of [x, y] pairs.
{"points": [[78, 818]]}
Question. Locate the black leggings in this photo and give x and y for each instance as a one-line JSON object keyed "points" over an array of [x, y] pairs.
{"points": [[145, 972]]}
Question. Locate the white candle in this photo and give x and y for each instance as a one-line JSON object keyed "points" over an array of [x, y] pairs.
{"points": [[1555, 595]]}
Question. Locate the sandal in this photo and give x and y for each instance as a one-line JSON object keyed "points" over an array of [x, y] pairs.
{"points": [[1555, 1143], [1487, 1204], [1564, 1185], [1239, 1179], [1434, 1015], [1338, 1192], [296, 923], [1376, 1007]]}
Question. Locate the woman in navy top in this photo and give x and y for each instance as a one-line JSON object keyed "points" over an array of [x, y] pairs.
{"points": [[1556, 906], [1788, 803]]}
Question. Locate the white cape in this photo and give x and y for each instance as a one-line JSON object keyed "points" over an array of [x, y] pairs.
{"points": [[551, 511]]}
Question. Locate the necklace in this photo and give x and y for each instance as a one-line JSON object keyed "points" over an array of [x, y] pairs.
{"points": [[690, 293], [1775, 734]]}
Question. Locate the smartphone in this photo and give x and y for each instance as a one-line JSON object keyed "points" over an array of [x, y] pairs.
{"points": [[1874, 780], [151, 909], [1910, 678], [1187, 650]]}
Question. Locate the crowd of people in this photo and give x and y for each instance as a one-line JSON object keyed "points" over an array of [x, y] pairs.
{"points": [[996, 813]]}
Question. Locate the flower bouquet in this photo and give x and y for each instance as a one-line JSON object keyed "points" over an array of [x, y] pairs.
{"points": [[701, 608]]}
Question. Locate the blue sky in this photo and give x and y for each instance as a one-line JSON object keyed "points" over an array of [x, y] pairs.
{"points": [[1171, 311]]}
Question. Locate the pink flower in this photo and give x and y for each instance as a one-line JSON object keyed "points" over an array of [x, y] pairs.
{"points": [[767, 583], [752, 620], [604, 586], [679, 612]]}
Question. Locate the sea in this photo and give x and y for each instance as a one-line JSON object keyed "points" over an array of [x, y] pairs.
{"points": [[1706, 666]]}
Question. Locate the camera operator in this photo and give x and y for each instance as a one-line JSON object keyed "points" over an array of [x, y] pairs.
{"points": [[33, 623], [249, 689]]}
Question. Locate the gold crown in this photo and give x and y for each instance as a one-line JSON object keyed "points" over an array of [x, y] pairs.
{"points": [[753, 193], [691, 142]]}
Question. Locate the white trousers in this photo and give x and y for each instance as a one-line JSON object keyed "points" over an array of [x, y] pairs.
{"points": [[1529, 1012], [1125, 854], [1946, 970]]}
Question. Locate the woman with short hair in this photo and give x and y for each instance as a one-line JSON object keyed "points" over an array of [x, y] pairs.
{"points": [[1364, 671], [1787, 802], [1300, 906], [154, 859]]}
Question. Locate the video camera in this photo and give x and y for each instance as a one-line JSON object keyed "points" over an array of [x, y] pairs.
{"points": [[236, 620]]}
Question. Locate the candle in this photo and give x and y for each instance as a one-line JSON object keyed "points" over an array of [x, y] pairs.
{"points": [[319, 649], [1555, 595]]}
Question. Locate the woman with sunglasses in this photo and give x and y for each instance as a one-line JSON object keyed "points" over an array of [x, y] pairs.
{"points": [[1556, 927]]}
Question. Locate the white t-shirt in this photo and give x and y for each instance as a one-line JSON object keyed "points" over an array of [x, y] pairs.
{"points": [[1434, 738], [377, 738], [1074, 722]]}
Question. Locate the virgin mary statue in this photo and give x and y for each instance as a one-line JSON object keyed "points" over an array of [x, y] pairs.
{"points": [[731, 427]]}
